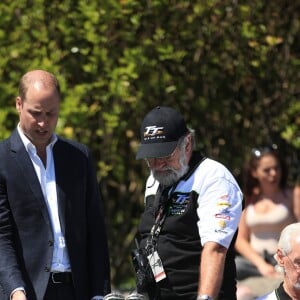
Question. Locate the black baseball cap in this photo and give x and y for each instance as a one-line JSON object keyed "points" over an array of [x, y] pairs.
{"points": [[160, 131]]}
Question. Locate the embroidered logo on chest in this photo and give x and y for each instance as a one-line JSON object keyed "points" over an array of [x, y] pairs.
{"points": [[179, 204]]}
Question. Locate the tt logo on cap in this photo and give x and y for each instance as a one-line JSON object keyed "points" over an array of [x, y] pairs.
{"points": [[153, 130]]}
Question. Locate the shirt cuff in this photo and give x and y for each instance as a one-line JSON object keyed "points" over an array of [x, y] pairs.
{"points": [[17, 289]]}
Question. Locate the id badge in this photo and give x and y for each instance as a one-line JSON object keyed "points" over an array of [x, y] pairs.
{"points": [[156, 266]]}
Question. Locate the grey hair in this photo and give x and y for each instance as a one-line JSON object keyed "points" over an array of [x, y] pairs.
{"points": [[183, 141], [288, 233]]}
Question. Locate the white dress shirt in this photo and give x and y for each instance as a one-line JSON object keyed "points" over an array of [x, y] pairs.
{"points": [[46, 176]]}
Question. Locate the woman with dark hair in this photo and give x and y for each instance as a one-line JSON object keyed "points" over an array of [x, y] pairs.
{"points": [[269, 208]]}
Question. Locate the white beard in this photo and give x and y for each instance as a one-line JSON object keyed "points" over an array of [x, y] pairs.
{"points": [[297, 285], [170, 175]]}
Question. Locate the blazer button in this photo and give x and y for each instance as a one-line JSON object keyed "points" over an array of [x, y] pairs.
{"points": [[47, 269], [50, 243]]}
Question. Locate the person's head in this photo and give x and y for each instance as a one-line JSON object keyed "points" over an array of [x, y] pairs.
{"points": [[38, 106], [288, 255], [265, 168], [166, 144]]}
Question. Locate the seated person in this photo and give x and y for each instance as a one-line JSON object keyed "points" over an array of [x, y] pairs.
{"points": [[269, 208], [288, 258]]}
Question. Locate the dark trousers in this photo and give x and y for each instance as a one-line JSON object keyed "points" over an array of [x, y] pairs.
{"points": [[59, 291]]}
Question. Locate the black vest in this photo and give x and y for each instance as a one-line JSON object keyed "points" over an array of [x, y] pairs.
{"points": [[179, 245]]}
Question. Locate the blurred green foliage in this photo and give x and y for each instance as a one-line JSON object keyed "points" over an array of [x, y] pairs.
{"points": [[231, 68]]}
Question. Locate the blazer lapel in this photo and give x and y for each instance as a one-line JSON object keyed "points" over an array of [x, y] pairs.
{"points": [[25, 165], [60, 173], [61, 208]]}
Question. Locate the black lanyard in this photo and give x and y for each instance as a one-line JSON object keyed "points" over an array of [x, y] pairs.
{"points": [[163, 200]]}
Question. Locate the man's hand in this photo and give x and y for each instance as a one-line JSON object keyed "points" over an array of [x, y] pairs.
{"points": [[18, 295]]}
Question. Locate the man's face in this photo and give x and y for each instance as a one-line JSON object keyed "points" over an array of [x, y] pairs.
{"points": [[38, 113], [291, 265], [167, 170]]}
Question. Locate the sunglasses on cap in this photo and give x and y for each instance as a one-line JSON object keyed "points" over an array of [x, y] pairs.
{"points": [[259, 151]]}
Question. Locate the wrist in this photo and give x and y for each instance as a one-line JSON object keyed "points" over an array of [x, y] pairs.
{"points": [[204, 297]]}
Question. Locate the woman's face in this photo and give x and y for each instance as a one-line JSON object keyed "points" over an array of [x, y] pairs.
{"points": [[268, 170]]}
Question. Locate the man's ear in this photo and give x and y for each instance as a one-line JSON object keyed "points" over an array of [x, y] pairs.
{"points": [[279, 257], [189, 144], [18, 104]]}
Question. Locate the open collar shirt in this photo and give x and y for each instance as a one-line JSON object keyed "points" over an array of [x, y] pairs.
{"points": [[46, 177]]}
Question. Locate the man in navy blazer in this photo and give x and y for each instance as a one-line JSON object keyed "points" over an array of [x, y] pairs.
{"points": [[53, 244]]}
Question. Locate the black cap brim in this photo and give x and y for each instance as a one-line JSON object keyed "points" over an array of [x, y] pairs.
{"points": [[156, 150]]}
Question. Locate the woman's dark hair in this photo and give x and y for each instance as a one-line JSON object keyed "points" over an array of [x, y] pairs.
{"points": [[251, 184]]}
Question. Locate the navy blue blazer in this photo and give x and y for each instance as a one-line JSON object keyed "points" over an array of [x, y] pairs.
{"points": [[26, 237]]}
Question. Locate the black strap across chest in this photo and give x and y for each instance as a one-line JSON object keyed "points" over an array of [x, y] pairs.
{"points": [[281, 294]]}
